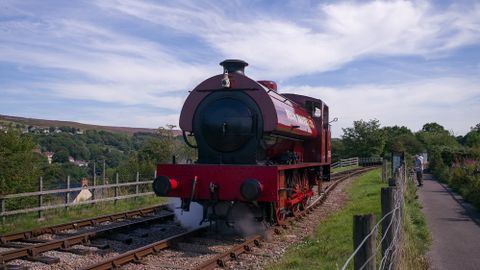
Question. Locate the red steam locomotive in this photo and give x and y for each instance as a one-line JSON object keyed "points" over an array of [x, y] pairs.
{"points": [[256, 148]]}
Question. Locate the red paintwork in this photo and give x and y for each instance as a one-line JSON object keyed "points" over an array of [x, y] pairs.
{"points": [[280, 115], [269, 84], [298, 198], [227, 177]]}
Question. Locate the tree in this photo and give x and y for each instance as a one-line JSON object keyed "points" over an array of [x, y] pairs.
{"points": [[433, 128], [20, 167], [61, 156], [472, 138], [338, 150], [364, 139], [433, 134], [401, 139]]}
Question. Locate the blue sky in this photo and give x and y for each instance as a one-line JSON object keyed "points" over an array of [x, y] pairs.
{"points": [[132, 63]]}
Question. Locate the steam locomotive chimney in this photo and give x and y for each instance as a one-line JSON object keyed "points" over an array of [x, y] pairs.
{"points": [[234, 66]]}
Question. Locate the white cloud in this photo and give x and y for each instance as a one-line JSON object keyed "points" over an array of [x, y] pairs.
{"points": [[452, 102], [105, 66], [331, 37], [127, 117]]}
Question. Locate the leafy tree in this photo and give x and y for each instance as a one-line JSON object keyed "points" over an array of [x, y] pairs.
{"points": [[472, 138], [434, 128], [338, 150], [364, 139], [433, 134], [61, 156], [401, 139], [20, 167]]}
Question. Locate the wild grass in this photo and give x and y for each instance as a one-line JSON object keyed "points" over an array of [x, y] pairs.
{"points": [[416, 237], [332, 243], [30, 221]]}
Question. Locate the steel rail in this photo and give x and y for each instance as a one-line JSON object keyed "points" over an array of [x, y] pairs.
{"points": [[74, 225], [233, 253], [137, 254], [65, 243]]}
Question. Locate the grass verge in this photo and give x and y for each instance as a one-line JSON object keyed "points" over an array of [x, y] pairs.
{"points": [[416, 237], [58, 216], [332, 243]]}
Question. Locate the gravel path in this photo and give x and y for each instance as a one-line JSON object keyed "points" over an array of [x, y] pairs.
{"points": [[455, 227]]}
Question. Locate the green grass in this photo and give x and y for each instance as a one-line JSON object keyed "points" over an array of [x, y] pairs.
{"points": [[346, 168], [332, 243], [52, 217], [416, 236]]}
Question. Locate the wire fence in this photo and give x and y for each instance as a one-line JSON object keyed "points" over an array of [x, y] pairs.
{"points": [[383, 254]]}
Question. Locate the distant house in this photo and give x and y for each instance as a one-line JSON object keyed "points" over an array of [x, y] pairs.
{"points": [[49, 156], [71, 159], [81, 163], [79, 132]]}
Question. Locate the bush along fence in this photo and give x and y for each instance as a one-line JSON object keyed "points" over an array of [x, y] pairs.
{"points": [[62, 198], [381, 252]]}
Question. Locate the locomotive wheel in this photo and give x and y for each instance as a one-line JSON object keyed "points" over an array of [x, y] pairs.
{"points": [[280, 216], [304, 204], [296, 209]]}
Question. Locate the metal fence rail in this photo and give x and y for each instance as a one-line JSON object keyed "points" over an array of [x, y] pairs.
{"points": [[66, 201]]}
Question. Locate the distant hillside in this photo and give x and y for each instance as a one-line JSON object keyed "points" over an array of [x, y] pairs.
{"points": [[43, 123]]}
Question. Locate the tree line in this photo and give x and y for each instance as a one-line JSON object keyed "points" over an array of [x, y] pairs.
{"points": [[369, 139], [21, 166], [23, 156]]}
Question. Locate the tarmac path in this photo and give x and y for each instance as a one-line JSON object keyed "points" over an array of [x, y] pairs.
{"points": [[454, 226]]}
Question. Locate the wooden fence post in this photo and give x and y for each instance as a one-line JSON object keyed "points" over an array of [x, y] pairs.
{"points": [[2, 201], [365, 257], [384, 170], [388, 204], [67, 194], [40, 198], [137, 179], [116, 188], [94, 182]]}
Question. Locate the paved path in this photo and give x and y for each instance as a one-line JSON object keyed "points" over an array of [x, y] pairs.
{"points": [[454, 225]]}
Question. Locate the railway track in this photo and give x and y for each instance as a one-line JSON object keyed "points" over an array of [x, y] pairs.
{"points": [[212, 261], [68, 237], [82, 238]]}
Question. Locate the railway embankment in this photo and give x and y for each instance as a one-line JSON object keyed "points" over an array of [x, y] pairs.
{"points": [[330, 244]]}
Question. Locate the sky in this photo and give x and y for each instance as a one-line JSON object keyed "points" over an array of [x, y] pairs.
{"points": [[132, 62]]}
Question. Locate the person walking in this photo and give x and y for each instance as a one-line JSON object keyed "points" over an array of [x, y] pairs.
{"points": [[419, 169]]}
